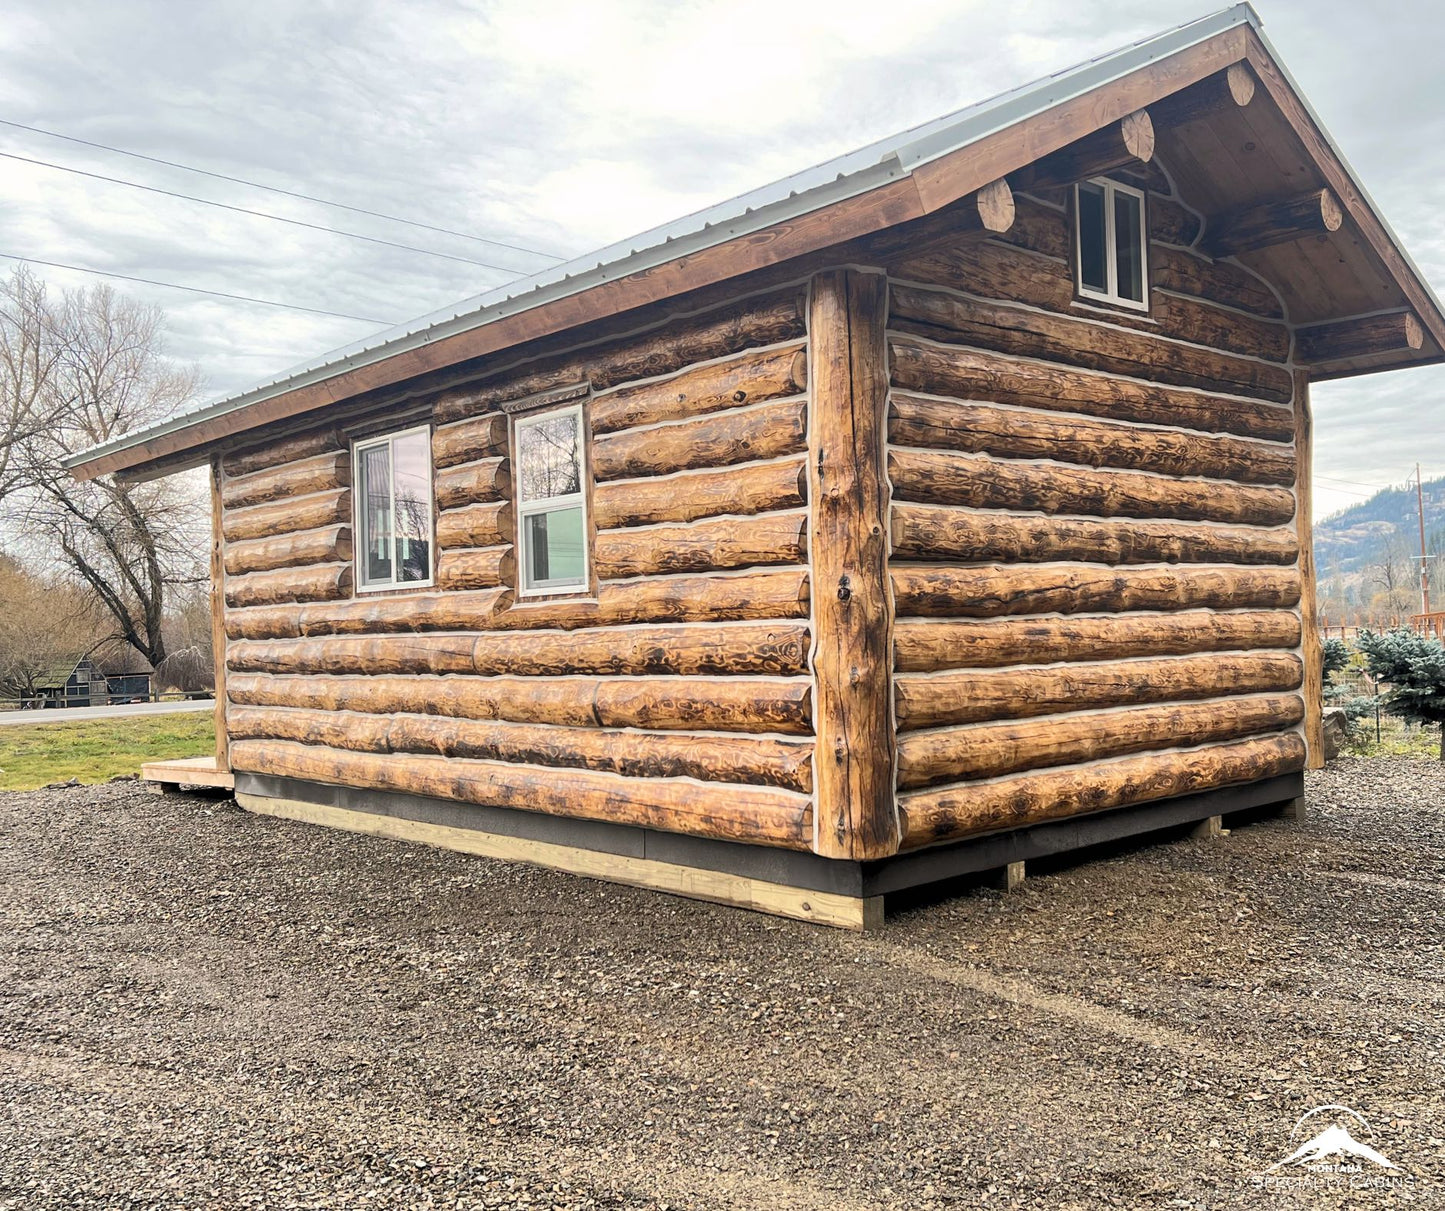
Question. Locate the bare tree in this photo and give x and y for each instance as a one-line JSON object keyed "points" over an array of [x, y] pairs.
{"points": [[128, 543], [46, 623], [28, 353]]}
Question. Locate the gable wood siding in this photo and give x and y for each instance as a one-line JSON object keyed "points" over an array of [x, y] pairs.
{"points": [[678, 696], [1094, 563]]}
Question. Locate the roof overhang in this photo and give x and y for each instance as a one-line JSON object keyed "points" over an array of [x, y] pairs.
{"points": [[886, 184]]}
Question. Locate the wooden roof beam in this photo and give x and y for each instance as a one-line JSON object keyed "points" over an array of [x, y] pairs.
{"points": [[1121, 144], [1359, 336], [1232, 88], [1263, 226]]}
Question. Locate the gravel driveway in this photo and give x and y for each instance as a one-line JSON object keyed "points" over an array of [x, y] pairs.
{"points": [[203, 1008]]}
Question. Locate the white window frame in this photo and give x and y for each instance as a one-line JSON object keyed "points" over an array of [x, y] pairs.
{"points": [[1111, 250], [552, 504], [358, 509]]}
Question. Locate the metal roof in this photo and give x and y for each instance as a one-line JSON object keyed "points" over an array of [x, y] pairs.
{"points": [[833, 181]]}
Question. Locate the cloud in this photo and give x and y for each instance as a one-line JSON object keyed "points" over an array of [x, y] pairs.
{"points": [[564, 127]]}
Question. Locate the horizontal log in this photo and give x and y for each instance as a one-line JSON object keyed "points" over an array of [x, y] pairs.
{"points": [[751, 488], [1397, 332], [958, 811], [715, 704], [1116, 145], [991, 750], [329, 545], [487, 479], [777, 594], [972, 374], [926, 646], [1223, 92], [747, 435], [662, 349], [980, 481], [1172, 223], [283, 450], [930, 700], [939, 532], [475, 525], [1015, 433], [759, 815], [1249, 228], [482, 437], [320, 473], [748, 378], [988, 212], [726, 649], [997, 271], [991, 590], [939, 315], [322, 582], [386, 612], [288, 516], [1186, 272], [475, 569], [703, 546], [746, 760]]}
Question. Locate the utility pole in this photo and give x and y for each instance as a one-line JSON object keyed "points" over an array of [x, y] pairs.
{"points": [[1424, 575]]}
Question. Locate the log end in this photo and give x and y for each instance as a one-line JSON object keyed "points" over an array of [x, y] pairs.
{"points": [[1138, 132], [1240, 81], [996, 206]]}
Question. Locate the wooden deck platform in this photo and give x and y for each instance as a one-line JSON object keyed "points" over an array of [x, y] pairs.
{"points": [[188, 771]]}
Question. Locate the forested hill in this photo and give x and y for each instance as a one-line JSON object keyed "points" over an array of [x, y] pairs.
{"points": [[1359, 550]]}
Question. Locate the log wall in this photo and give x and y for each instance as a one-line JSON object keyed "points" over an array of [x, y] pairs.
{"points": [[1063, 550], [1095, 562], [677, 694]]}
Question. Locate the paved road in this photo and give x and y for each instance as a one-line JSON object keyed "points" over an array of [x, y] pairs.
{"points": [[75, 714]]}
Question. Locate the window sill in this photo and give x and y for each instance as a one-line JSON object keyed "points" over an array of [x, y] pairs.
{"points": [[394, 590]]}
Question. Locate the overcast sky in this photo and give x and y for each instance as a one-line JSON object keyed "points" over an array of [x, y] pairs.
{"points": [[561, 127]]}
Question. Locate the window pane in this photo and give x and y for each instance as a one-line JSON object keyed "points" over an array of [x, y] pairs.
{"points": [[1128, 215], [553, 544], [411, 469], [549, 457], [1093, 263], [376, 540]]}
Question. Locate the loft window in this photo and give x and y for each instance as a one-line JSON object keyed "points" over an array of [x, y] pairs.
{"points": [[551, 502], [1110, 247], [392, 475]]}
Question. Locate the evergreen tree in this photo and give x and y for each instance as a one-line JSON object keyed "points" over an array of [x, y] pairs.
{"points": [[1413, 667]]}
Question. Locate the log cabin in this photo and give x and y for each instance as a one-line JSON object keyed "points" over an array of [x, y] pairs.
{"points": [[940, 507]]}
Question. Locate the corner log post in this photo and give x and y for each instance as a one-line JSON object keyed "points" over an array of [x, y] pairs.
{"points": [[1128, 142], [1254, 227], [1396, 332], [1310, 646], [856, 814], [218, 618]]}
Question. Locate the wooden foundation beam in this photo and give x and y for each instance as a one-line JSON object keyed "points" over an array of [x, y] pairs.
{"points": [[1397, 332], [740, 891], [1254, 227], [857, 815], [1117, 145]]}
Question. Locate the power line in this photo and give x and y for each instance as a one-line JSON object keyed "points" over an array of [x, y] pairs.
{"points": [[217, 294], [290, 193], [260, 214]]}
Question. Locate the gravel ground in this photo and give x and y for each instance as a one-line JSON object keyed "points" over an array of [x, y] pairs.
{"points": [[202, 1008]]}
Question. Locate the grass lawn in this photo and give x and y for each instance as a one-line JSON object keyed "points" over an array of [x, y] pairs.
{"points": [[95, 750]]}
